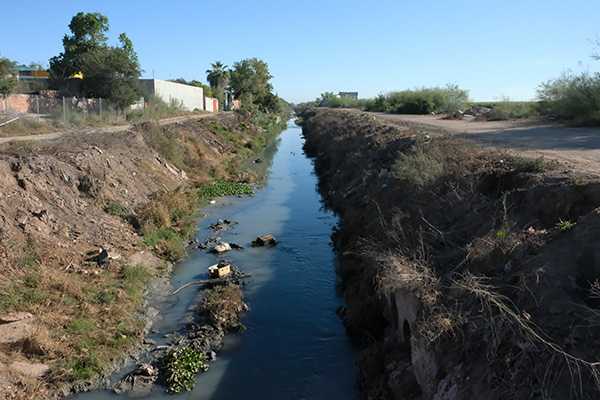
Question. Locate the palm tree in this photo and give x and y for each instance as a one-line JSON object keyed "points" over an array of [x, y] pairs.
{"points": [[218, 76]]}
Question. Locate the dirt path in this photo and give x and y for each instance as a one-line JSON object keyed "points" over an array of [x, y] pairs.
{"points": [[575, 149], [108, 129]]}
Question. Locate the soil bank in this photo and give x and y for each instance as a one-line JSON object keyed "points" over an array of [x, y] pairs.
{"points": [[468, 273], [62, 201]]}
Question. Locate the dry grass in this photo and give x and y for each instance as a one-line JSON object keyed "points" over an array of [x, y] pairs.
{"points": [[223, 306]]}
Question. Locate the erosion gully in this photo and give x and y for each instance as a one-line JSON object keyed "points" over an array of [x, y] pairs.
{"points": [[295, 346]]}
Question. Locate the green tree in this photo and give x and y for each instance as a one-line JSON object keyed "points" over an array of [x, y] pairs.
{"points": [[87, 35], [127, 47], [249, 82], [218, 78], [8, 80], [110, 73]]}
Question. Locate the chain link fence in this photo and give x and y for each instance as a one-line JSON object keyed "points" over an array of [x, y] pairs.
{"points": [[58, 109]]}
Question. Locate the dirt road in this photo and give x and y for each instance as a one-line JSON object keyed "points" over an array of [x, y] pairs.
{"points": [[118, 128], [575, 148]]}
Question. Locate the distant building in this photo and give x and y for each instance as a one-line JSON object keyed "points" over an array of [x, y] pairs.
{"points": [[349, 95], [190, 97], [28, 73]]}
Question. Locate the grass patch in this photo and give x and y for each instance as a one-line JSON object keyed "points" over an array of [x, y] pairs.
{"points": [[532, 165], [221, 188]]}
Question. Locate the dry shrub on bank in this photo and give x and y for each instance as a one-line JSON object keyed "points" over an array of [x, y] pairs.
{"points": [[223, 306]]}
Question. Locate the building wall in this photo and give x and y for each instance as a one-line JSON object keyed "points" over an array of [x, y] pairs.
{"points": [[191, 97], [211, 105]]}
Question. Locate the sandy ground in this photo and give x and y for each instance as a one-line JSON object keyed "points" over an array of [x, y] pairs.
{"points": [[576, 149]]}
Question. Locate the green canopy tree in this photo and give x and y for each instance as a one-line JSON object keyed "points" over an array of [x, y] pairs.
{"points": [[8, 80], [88, 33], [249, 82], [112, 74]]}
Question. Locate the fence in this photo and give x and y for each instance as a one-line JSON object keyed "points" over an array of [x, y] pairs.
{"points": [[56, 107]]}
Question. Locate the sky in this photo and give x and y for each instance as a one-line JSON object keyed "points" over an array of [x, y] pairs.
{"points": [[493, 49]]}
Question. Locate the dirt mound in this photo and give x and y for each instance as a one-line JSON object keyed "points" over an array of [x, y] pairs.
{"points": [[467, 273]]}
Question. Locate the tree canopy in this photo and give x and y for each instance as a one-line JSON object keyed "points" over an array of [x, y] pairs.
{"points": [[249, 82], [111, 74], [8, 80], [87, 35]]}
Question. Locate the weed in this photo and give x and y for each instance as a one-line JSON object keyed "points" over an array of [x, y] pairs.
{"points": [[564, 226], [182, 366], [223, 306], [80, 326], [529, 165], [221, 188]]}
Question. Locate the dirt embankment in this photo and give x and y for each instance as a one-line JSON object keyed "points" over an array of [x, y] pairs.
{"points": [[468, 273], [61, 202]]}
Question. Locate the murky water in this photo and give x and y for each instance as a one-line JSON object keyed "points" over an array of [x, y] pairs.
{"points": [[295, 347]]}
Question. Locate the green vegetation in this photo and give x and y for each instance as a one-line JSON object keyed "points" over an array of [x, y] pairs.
{"points": [[8, 80], [182, 366], [507, 110], [564, 226], [572, 97], [220, 188], [108, 72], [218, 78], [249, 82], [166, 222], [528, 165]]}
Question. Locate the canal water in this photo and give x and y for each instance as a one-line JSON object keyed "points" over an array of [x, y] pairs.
{"points": [[295, 346]]}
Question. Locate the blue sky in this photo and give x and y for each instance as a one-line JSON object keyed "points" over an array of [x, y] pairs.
{"points": [[492, 49]]}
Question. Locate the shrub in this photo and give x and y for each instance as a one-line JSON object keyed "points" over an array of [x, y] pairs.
{"points": [[572, 97], [526, 164], [420, 101], [223, 306], [507, 109]]}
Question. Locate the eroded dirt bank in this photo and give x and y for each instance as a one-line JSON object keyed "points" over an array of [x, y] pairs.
{"points": [[468, 273], [67, 313]]}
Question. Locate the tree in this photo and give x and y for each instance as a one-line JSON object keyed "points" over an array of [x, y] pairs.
{"points": [[249, 82], [127, 46], [87, 35], [8, 80], [218, 78], [110, 73]]}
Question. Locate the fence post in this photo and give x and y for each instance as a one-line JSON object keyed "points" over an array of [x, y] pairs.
{"points": [[37, 105], [64, 109]]}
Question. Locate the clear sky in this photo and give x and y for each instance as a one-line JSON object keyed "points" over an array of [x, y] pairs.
{"points": [[491, 48]]}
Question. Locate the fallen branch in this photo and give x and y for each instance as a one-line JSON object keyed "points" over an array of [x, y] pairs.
{"points": [[192, 283]]}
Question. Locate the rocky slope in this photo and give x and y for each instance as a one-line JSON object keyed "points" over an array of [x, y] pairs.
{"points": [[467, 273]]}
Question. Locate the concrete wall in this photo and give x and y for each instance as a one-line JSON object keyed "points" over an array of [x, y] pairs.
{"points": [[210, 104], [191, 97]]}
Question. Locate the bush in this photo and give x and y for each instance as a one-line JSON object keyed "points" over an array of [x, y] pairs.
{"points": [[420, 101], [507, 110], [572, 97]]}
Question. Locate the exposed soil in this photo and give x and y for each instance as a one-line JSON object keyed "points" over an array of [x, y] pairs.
{"points": [[575, 148], [467, 275], [54, 194]]}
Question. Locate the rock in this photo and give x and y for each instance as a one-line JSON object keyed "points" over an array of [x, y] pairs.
{"points": [[222, 247], [221, 226], [236, 246], [21, 326], [266, 240], [103, 258], [139, 383], [14, 317], [33, 370], [149, 342]]}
